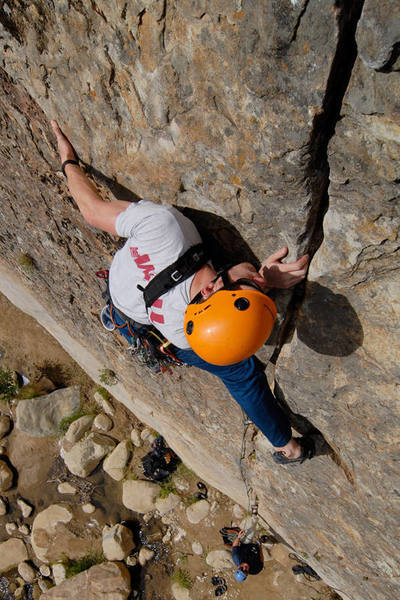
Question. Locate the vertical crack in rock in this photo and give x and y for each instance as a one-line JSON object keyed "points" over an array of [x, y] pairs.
{"points": [[296, 27], [317, 166]]}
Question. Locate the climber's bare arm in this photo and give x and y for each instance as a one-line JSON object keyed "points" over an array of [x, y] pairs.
{"points": [[93, 208]]}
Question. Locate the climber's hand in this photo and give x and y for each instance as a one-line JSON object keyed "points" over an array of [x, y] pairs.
{"points": [[283, 275]]}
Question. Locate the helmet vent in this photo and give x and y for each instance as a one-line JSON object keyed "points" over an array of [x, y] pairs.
{"points": [[189, 327], [241, 303]]}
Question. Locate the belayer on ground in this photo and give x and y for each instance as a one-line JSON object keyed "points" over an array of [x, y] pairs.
{"points": [[163, 278]]}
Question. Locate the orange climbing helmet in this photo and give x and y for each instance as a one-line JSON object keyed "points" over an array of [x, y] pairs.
{"points": [[231, 324]]}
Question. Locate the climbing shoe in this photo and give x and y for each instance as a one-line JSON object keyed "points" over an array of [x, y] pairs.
{"points": [[106, 320], [307, 571], [307, 451], [221, 589], [218, 581]]}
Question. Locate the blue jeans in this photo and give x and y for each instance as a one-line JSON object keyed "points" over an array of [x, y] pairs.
{"points": [[248, 385]]}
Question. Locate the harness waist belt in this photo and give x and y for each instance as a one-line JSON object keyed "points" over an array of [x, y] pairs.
{"points": [[186, 265]]}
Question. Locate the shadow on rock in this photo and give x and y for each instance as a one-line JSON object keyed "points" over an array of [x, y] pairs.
{"points": [[327, 323], [302, 424], [119, 191], [223, 241]]}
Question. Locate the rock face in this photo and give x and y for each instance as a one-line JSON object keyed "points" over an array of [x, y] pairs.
{"points": [[41, 416], [270, 123], [105, 581]]}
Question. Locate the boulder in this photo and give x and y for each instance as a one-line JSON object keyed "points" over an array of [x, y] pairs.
{"points": [[44, 529], [135, 438], [179, 592], [88, 508], [220, 560], [145, 555], [26, 571], [108, 581], [103, 422], [115, 463], [117, 542], [25, 508], [5, 425], [139, 495], [66, 488], [12, 552], [165, 505], [105, 404], [6, 476], [197, 548], [40, 416], [86, 454], [59, 573], [3, 507], [198, 511], [77, 428], [57, 533]]}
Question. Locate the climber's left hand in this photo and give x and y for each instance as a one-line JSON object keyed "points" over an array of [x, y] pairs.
{"points": [[283, 275]]}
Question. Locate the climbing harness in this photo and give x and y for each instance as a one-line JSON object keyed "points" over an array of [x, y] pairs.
{"points": [[146, 343], [180, 270]]}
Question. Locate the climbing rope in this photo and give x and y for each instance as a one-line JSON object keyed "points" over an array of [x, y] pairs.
{"points": [[252, 505]]}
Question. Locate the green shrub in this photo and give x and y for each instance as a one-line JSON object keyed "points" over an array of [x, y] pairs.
{"points": [[73, 567], [66, 421], [26, 262], [108, 377], [103, 392], [182, 577], [167, 488], [28, 391], [8, 386], [191, 500]]}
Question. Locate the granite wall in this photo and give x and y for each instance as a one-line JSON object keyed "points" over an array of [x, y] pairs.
{"points": [[269, 122]]}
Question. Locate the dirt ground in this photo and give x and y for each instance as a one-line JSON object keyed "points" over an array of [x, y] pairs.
{"points": [[26, 347]]}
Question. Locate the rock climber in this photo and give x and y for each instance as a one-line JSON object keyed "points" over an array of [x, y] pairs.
{"points": [[157, 236], [247, 556]]}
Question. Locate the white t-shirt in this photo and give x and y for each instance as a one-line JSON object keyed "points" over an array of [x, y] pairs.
{"points": [[157, 236]]}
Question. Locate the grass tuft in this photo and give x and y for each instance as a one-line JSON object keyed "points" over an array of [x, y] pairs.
{"points": [[167, 488], [66, 421], [8, 386], [73, 567], [182, 578]]}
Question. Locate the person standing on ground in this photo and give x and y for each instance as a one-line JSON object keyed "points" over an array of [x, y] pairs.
{"points": [[157, 235], [247, 556]]}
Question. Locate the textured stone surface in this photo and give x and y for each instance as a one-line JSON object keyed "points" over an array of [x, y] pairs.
{"points": [[78, 428], [6, 476], [56, 534], [41, 416], [198, 511], [117, 542], [109, 580], [115, 463], [219, 559], [139, 495], [86, 454], [233, 110], [12, 552]]}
